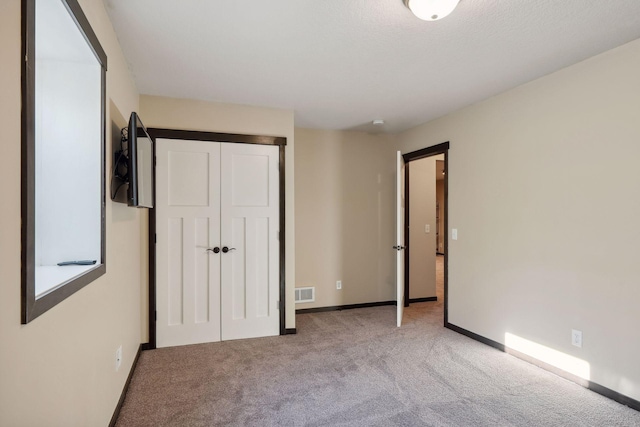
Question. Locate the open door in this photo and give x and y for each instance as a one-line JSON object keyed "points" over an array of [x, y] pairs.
{"points": [[399, 247]]}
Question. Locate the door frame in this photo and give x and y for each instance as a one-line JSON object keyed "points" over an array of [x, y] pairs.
{"points": [[162, 133], [434, 150]]}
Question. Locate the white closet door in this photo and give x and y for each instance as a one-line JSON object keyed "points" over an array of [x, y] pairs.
{"points": [[249, 228], [188, 224]]}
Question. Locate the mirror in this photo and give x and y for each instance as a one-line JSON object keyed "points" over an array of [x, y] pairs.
{"points": [[63, 133]]}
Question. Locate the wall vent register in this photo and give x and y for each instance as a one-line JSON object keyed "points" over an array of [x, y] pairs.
{"points": [[307, 294]]}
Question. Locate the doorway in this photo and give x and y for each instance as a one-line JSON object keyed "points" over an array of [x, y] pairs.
{"points": [[435, 227]]}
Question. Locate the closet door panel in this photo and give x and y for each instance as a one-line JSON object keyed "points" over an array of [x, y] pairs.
{"points": [[188, 225], [249, 227], [236, 263]]}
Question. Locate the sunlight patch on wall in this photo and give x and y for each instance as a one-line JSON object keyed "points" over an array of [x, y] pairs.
{"points": [[560, 360]]}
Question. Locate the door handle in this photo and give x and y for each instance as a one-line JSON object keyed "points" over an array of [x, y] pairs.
{"points": [[399, 248], [226, 249], [214, 250]]}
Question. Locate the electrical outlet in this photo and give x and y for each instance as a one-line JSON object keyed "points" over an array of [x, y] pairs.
{"points": [[576, 338], [339, 284], [118, 358]]}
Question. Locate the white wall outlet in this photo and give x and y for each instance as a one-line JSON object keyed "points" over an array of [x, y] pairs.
{"points": [[576, 338], [339, 284], [427, 228], [118, 358], [454, 234]]}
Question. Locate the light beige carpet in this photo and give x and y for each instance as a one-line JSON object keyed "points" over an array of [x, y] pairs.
{"points": [[355, 368]]}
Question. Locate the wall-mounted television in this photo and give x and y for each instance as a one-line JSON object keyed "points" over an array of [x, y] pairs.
{"points": [[133, 166]]}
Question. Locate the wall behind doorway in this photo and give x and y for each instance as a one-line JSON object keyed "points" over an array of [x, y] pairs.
{"points": [[422, 213], [442, 234]]}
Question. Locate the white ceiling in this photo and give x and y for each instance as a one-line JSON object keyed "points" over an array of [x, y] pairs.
{"points": [[341, 63]]}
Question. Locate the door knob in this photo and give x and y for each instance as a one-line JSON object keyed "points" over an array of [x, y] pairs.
{"points": [[399, 248], [214, 250], [226, 249]]}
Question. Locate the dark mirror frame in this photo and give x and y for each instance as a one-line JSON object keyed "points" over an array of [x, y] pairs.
{"points": [[32, 307]]}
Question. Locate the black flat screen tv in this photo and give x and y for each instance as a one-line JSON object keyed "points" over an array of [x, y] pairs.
{"points": [[139, 164]]}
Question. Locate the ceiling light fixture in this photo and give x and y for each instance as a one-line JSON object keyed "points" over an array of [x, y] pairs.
{"points": [[431, 10], [378, 122]]}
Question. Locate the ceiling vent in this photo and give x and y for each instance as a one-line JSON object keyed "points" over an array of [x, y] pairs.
{"points": [[307, 294]]}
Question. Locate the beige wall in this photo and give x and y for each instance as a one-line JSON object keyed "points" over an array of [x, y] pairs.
{"points": [[422, 211], [59, 370], [536, 255], [345, 211], [185, 114]]}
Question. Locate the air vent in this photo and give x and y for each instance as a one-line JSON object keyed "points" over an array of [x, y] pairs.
{"points": [[305, 294]]}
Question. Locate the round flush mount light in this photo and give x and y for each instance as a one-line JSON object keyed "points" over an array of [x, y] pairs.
{"points": [[378, 122], [431, 10]]}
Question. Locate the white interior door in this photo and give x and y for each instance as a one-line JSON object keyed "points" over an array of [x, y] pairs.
{"points": [[399, 247], [187, 227], [250, 224]]}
